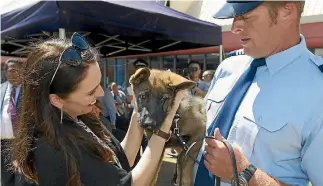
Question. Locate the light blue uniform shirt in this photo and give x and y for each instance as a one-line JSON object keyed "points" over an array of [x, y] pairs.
{"points": [[203, 85], [279, 124]]}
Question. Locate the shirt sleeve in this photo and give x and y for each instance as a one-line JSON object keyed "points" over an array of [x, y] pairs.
{"points": [[123, 96], [205, 87], [312, 153], [51, 169]]}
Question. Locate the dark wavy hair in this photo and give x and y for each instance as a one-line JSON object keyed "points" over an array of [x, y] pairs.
{"points": [[39, 116]]}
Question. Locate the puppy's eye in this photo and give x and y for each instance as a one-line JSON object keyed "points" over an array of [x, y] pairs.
{"points": [[142, 97]]}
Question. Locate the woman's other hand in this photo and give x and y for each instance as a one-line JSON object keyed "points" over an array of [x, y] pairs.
{"points": [[172, 111]]}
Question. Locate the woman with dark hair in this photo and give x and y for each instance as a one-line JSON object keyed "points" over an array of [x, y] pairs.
{"points": [[60, 141]]}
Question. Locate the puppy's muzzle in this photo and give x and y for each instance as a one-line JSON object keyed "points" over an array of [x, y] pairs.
{"points": [[145, 120]]}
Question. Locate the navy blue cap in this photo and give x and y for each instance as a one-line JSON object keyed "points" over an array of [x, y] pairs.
{"points": [[140, 63], [13, 60], [236, 8]]}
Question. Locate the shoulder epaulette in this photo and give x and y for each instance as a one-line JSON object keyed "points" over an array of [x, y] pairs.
{"points": [[236, 53]]}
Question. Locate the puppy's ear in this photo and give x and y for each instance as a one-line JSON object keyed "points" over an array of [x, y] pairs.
{"points": [[140, 75], [178, 82]]}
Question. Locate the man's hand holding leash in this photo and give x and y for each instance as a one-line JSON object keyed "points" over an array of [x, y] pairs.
{"points": [[217, 158]]}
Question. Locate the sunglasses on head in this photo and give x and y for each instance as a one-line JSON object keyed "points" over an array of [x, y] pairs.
{"points": [[72, 55]]}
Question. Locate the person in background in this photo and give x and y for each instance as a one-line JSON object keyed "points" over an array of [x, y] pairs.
{"points": [[208, 76], [98, 111], [10, 102], [194, 71], [138, 63], [268, 103], [3, 74], [109, 110], [60, 141], [122, 119], [120, 100]]}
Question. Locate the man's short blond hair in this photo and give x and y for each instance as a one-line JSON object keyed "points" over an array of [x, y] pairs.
{"points": [[273, 7]]}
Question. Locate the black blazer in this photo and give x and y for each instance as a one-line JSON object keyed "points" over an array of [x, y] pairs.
{"points": [[51, 167]]}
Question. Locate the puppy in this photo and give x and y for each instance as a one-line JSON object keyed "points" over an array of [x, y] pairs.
{"points": [[155, 91]]}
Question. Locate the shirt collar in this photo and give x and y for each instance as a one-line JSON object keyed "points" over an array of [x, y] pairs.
{"points": [[11, 86], [280, 60]]}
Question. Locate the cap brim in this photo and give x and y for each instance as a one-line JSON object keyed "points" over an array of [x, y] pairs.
{"points": [[231, 10], [12, 60], [140, 66]]}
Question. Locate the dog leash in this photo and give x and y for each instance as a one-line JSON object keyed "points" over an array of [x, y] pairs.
{"points": [[188, 148]]}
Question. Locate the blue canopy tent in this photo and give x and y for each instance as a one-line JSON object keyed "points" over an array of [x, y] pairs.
{"points": [[116, 28]]}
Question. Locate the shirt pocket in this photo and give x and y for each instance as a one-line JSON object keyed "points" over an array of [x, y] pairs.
{"points": [[279, 138], [246, 131]]}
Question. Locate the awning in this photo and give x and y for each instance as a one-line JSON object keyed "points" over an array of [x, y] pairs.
{"points": [[114, 27]]}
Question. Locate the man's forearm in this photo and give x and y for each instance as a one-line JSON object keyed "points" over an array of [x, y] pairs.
{"points": [[260, 178]]}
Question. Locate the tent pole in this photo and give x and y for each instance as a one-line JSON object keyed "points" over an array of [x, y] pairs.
{"points": [[126, 74], [221, 53], [105, 74], [61, 33]]}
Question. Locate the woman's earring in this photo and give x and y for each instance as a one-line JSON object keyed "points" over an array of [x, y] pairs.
{"points": [[62, 114]]}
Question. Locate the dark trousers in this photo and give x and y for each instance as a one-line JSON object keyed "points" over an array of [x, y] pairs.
{"points": [[8, 177]]}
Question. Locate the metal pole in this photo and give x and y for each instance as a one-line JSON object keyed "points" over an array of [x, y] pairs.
{"points": [[221, 53], [61, 33], [204, 62], [105, 74], [115, 70], [149, 62], [161, 62], [175, 63], [189, 58], [126, 73]]}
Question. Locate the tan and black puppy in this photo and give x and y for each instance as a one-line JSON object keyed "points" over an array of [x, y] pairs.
{"points": [[155, 91]]}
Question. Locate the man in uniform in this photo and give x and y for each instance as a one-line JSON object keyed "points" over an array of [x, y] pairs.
{"points": [[268, 103]]}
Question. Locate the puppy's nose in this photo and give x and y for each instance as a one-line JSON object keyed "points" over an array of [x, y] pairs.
{"points": [[147, 121]]}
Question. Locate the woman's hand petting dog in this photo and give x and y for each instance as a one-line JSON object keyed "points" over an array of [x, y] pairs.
{"points": [[171, 113]]}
